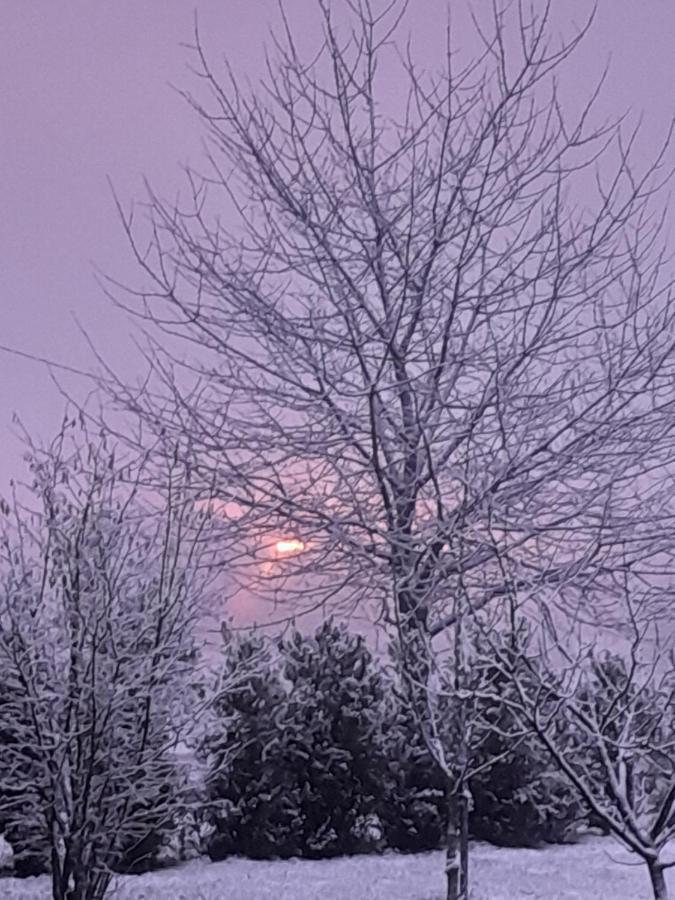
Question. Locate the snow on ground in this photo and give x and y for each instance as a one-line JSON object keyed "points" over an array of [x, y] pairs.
{"points": [[594, 870]]}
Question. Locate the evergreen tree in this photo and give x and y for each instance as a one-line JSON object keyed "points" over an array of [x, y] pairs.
{"points": [[333, 725], [628, 717], [413, 809], [296, 765], [519, 799], [251, 796], [316, 753]]}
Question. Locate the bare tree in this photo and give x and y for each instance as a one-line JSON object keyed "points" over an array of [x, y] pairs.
{"points": [[101, 583], [607, 719], [432, 324]]}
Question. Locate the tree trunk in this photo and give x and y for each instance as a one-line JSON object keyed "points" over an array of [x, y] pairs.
{"points": [[457, 845], [464, 809], [88, 885], [459, 800], [453, 861], [58, 887], [60, 875], [658, 880]]}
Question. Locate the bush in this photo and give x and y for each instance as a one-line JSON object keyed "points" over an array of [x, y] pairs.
{"points": [[519, 800], [334, 717], [315, 753], [295, 769], [318, 754], [412, 808], [249, 788], [29, 849]]}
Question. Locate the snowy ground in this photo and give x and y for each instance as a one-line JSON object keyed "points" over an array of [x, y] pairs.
{"points": [[594, 870]]}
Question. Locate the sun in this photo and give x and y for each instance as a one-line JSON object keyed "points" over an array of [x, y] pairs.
{"points": [[289, 546]]}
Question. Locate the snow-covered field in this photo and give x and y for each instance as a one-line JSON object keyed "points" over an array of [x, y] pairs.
{"points": [[594, 870]]}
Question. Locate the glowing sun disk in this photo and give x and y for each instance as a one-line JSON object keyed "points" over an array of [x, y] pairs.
{"points": [[289, 545]]}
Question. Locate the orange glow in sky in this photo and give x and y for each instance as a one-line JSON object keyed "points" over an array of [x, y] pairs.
{"points": [[288, 546]]}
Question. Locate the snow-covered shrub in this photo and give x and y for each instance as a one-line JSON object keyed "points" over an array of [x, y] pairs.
{"points": [[6, 856], [296, 764], [519, 798]]}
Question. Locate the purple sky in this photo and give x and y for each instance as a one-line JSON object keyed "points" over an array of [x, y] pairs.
{"points": [[85, 96]]}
